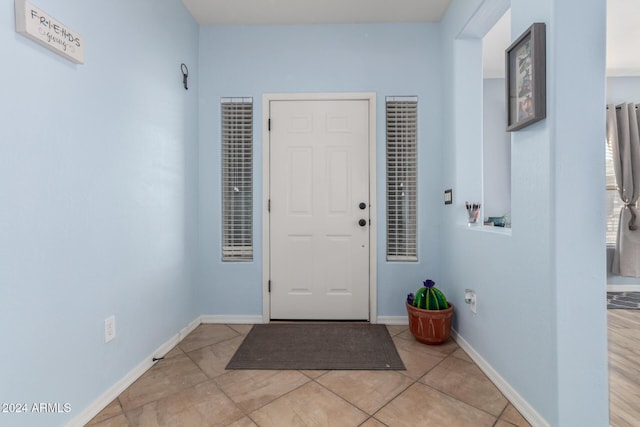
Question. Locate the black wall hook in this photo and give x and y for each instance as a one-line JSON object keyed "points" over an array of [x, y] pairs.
{"points": [[185, 75]]}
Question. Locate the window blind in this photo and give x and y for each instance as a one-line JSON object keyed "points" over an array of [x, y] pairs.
{"points": [[237, 179], [402, 133]]}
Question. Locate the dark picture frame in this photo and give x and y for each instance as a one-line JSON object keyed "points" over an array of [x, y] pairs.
{"points": [[526, 64]]}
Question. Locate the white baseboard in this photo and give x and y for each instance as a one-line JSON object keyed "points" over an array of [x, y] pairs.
{"points": [[108, 396], [623, 288], [393, 320], [231, 319], [527, 411]]}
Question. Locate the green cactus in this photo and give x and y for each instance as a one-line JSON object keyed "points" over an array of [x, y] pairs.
{"points": [[430, 298]]}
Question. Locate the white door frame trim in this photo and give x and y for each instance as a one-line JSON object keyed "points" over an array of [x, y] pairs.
{"points": [[266, 164]]}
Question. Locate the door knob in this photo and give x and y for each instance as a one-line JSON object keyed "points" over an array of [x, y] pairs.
{"points": [[362, 222], [362, 205]]}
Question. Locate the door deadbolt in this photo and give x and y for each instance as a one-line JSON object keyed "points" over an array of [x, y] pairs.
{"points": [[362, 205]]}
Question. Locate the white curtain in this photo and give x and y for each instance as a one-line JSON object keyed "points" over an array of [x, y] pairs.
{"points": [[624, 136]]}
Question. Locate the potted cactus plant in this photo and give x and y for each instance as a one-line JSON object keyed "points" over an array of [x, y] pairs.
{"points": [[430, 314]]}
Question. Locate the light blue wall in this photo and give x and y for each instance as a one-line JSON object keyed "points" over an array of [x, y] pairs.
{"points": [[252, 61], [98, 196], [577, 141], [496, 150], [541, 321]]}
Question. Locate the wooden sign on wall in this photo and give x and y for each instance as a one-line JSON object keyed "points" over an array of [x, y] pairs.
{"points": [[35, 24]]}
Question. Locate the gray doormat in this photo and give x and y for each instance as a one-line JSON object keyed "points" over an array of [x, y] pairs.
{"points": [[317, 346], [623, 300]]}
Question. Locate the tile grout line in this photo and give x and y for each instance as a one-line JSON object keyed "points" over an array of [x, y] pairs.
{"points": [[469, 404], [464, 403], [417, 381], [315, 380], [276, 398], [502, 413], [117, 399], [414, 382], [185, 353], [341, 398], [369, 416], [169, 395], [453, 397], [248, 413], [244, 413]]}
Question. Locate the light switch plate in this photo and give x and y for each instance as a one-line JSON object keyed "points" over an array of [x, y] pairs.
{"points": [[448, 196]]}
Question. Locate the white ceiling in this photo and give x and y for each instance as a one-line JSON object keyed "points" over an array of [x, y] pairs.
{"points": [[272, 12], [623, 31]]}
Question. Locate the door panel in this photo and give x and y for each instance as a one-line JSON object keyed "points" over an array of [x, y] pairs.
{"points": [[319, 174], [300, 181]]}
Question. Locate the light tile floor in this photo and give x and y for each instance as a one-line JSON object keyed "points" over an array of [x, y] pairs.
{"points": [[190, 387]]}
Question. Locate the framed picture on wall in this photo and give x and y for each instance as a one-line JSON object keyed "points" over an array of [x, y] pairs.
{"points": [[526, 78]]}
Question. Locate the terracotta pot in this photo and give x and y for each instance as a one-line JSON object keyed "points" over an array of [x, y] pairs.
{"points": [[430, 326]]}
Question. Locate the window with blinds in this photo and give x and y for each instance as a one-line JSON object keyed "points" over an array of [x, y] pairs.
{"points": [[613, 202], [237, 179], [402, 130]]}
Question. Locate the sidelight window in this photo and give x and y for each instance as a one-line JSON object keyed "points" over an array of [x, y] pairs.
{"points": [[402, 118], [237, 179]]}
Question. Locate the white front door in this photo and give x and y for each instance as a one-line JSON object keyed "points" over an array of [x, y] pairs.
{"points": [[319, 209]]}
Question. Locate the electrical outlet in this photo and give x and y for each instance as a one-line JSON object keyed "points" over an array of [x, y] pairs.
{"points": [[109, 328], [471, 299]]}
